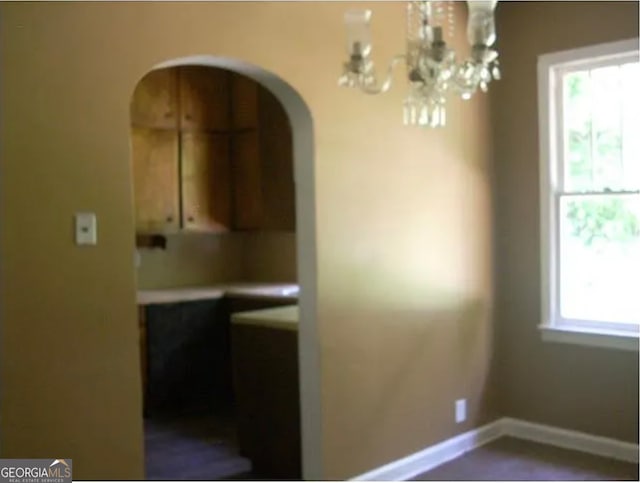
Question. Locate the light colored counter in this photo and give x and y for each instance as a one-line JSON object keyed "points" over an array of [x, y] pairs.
{"points": [[277, 318], [241, 290]]}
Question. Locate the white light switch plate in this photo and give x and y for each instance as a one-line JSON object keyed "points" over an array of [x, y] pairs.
{"points": [[86, 229]]}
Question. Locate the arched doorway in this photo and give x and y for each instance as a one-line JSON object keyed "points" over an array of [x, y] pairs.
{"points": [[303, 154]]}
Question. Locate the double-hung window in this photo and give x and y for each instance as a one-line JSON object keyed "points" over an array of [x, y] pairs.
{"points": [[589, 128]]}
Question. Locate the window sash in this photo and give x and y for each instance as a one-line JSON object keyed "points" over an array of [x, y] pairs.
{"points": [[558, 145], [555, 312]]}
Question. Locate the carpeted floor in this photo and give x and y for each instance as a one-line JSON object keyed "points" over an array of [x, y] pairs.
{"points": [[517, 460], [193, 448], [205, 449]]}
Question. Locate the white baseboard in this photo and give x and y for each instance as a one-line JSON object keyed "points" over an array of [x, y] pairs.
{"points": [[569, 439], [412, 465], [428, 458]]}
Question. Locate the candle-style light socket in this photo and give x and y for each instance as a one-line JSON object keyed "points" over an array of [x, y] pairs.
{"points": [[358, 32], [481, 25]]}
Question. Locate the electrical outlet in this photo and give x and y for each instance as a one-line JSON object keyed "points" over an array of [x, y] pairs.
{"points": [[461, 410]]}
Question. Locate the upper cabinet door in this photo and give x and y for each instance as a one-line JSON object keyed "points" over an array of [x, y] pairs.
{"points": [[247, 181], [244, 102], [155, 100], [206, 201], [276, 143], [204, 98], [155, 176]]}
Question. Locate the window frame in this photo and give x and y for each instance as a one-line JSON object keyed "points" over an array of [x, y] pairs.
{"points": [[550, 69]]}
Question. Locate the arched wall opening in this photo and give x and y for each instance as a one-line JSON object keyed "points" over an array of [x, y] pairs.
{"points": [[303, 163]]}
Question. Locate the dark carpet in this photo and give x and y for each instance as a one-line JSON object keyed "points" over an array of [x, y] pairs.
{"points": [[204, 448], [517, 460], [193, 447]]}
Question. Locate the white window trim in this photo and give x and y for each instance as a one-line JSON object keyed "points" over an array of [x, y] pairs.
{"points": [[549, 67]]}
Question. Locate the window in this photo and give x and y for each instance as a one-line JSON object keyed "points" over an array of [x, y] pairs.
{"points": [[589, 127]]}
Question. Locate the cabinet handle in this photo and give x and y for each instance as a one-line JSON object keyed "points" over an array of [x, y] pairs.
{"points": [[190, 219], [169, 219]]}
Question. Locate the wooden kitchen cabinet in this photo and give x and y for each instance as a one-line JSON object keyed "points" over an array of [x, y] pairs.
{"points": [[204, 98], [267, 396], [155, 176], [187, 353], [264, 190], [184, 188], [276, 146], [155, 100], [206, 181], [244, 102], [247, 181], [212, 151], [142, 344]]}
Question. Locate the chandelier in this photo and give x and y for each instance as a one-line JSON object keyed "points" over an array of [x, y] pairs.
{"points": [[432, 67]]}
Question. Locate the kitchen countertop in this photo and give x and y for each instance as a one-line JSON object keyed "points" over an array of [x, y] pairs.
{"points": [[243, 290], [277, 318]]}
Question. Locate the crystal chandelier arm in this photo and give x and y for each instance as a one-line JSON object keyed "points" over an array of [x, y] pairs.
{"points": [[475, 72], [386, 85], [432, 67]]}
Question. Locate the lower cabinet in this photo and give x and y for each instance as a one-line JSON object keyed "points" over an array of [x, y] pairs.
{"points": [[185, 351], [195, 360], [142, 340], [265, 369], [187, 357]]}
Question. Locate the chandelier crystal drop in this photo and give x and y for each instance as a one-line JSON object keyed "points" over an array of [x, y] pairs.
{"points": [[432, 67]]}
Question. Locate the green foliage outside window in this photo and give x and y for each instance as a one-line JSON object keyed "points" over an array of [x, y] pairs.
{"points": [[601, 217], [607, 219]]}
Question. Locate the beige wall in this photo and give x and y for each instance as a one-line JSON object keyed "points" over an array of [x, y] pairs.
{"points": [[193, 259], [587, 389], [403, 231]]}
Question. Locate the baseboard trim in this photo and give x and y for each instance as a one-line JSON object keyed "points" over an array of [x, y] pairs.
{"points": [[433, 456], [428, 458], [570, 439]]}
